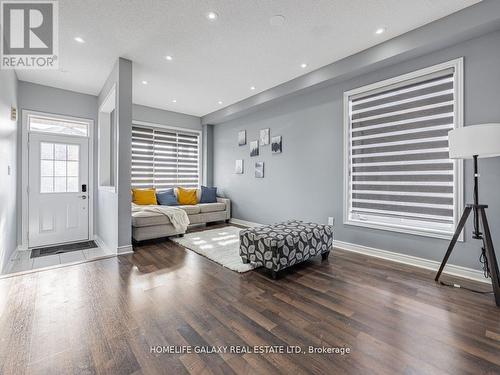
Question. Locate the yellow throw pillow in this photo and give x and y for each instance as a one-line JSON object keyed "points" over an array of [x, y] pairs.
{"points": [[187, 196], [144, 196]]}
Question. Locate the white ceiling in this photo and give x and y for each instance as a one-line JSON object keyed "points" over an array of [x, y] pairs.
{"points": [[220, 60]]}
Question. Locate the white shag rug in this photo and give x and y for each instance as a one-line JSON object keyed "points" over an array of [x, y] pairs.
{"points": [[220, 245]]}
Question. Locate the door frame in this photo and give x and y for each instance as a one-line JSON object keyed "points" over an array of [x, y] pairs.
{"points": [[25, 170]]}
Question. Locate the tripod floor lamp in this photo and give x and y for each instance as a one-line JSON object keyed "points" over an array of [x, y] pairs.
{"points": [[473, 142]]}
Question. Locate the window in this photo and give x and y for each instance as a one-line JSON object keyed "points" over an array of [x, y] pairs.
{"points": [[398, 175], [164, 158], [58, 126], [59, 167]]}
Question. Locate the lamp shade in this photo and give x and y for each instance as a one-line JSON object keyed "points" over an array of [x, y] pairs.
{"points": [[482, 140]]}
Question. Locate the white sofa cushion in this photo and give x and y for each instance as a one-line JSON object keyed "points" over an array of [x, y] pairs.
{"points": [[191, 209], [212, 207]]}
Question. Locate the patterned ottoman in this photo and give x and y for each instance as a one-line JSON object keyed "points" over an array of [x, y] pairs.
{"points": [[282, 245]]}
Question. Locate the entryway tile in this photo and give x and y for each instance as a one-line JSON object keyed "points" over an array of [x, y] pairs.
{"points": [[21, 265], [94, 253], [46, 261], [72, 256]]}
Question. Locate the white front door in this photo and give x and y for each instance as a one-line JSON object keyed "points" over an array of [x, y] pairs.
{"points": [[58, 189]]}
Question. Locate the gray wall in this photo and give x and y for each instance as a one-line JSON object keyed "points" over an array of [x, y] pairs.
{"points": [[8, 160], [164, 117], [306, 180], [208, 155], [113, 208], [48, 99]]}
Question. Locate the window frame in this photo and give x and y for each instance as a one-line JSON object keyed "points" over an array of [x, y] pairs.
{"points": [[156, 126], [458, 188]]}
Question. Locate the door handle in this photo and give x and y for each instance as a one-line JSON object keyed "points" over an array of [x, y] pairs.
{"points": [[84, 197]]}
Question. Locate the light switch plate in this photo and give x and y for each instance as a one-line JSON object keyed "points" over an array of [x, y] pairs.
{"points": [[330, 220]]}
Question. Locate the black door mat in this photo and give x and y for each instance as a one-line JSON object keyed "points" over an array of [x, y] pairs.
{"points": [[59, 249]]}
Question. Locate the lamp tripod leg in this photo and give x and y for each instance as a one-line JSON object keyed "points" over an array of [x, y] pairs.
{"points": [[460, 226], [491, 257]]}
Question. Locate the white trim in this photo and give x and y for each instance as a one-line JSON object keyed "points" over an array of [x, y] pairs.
{"points": [[401, 229], [201, 148], [25, 169], [244, 223], [109, 104], [457, 66], [122, 250], [450, 269], [98, 240]]}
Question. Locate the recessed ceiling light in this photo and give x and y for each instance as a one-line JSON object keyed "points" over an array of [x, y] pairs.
{"points": [[169, 58], [79, 39], [174, 100], [252, 87], [212, 16], [303, 65], [144, 82], [220, 102], [277, 20], [380, 30]]}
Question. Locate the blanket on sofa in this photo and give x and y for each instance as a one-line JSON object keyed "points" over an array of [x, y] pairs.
{"points": [[177, 216]]}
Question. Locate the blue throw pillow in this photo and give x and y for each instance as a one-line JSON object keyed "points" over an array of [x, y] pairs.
{"points": [[208, 195], [167, 198]]}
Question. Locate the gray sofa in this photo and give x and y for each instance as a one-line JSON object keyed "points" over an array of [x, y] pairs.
{"points": [[150, 225]]}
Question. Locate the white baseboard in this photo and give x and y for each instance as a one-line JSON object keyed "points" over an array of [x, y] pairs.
{"points": [[100, 242], [244, 223], [450, 269], [122, 250]]}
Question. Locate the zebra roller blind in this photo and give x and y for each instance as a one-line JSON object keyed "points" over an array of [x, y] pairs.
{"points": [[399, 168], [164, 158]]}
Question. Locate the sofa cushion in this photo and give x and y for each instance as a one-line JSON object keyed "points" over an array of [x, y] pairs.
{"points": [[208, 195], [212, 207], [187, 196], [145, 219], [144, 196], [167, 198], [191, 209]]}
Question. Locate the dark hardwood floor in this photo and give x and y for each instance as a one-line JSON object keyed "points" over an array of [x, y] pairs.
{"points": [[103, 317]]}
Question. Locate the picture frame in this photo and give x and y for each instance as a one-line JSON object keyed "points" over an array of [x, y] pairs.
{"points": [[276, 145], [238, 167], [264, 136], [254, 148], [242, 137], [259, 169]]}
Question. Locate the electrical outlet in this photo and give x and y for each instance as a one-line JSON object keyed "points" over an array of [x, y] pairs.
{"points": [[330, 220]]}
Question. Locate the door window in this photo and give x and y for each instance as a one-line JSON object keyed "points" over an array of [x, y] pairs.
{"points": [[59, 167]]}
